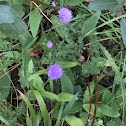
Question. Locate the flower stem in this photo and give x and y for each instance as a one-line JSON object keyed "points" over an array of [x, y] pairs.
{"points": [[44, 4]]}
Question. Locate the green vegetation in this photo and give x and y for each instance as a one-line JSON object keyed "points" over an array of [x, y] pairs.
{"points": [[62, 68]]}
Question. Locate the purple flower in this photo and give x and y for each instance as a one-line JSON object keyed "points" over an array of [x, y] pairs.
{"points": [[3, 54], [49, 44], [55, 72], [53, 4], [65, 15]]}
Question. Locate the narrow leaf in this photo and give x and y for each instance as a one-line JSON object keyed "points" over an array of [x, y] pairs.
{"points": [[123, 30], [4, 121], [69, 105], [65, 64], [43, 108], [28, 104]]}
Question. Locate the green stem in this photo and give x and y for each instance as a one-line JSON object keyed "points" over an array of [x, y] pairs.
{"points": [[44, 4]]}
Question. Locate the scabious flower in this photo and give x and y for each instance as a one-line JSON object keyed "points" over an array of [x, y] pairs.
{"points": [[65, 15], [3, 54], [53, 4], [55, 72], [49, 44]]}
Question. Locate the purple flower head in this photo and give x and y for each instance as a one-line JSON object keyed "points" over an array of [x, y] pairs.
{"points": [[49, 44], [65, 15], [55, 72], [53, 4], [3, 54]]}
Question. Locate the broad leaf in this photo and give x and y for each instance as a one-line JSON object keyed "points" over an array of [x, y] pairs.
{"points": [[65, 97], [5, 85], [90, 68], [109, 111], [98, 112], [66, 84], [97, 5], [74, 121], [86, 94], [6, 14], [107, 96], [90, 24], [61, 29], [69, 106], [34, 21], [13, 26]]}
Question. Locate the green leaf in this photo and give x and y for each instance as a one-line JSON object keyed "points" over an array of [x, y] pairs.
{"points": [[121, 96], [43, 71], [17, 5], [5, 85], [12, 54], [123, 30], [37, 81], [4, 121], [109, 111], [15, 27], [73, 2], [28, 121], [111, 123], [115, 68], [24, 76], [30, 66], [43, 108], [74, 121], [34, 21], [103, 5], [90, 68], [6, 14], [61, 3], [61, 29], [86, 94], [101, 62], [98, 112], [65, 64], [77, 107], [69, 105], [32, 111], [65, 97], [90, 24], [3, 0], [106, 97], [66, 84], [49, 95]]}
